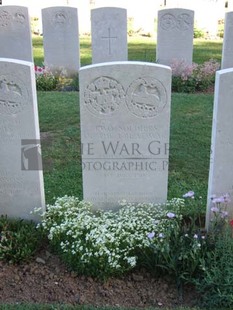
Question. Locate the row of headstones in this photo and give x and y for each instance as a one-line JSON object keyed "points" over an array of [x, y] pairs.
{"points": [[125, 125], [109, 36]]}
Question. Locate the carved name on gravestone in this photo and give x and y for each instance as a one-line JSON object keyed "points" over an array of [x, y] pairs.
{"points": [[109, 34], [15, 33], [227, 50], [61, 39], [221, 163], [125, 117], [21, 176], [175, 36]]}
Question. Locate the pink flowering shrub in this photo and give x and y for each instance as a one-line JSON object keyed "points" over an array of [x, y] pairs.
{"points": [[45, 79], [190, 78]]}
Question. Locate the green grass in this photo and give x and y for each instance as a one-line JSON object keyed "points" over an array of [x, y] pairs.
{"points": [[191, 119], [139, 48]]}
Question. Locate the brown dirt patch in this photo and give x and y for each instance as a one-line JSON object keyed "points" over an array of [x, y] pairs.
{"points": [[47, 280]]}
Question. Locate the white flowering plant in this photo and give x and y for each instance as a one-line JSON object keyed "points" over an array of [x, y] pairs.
{"points": [[106, 243]]}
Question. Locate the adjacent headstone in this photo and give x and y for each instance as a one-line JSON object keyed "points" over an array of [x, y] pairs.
{"points": [[61, 39], [109, 34], [175, 36], [221, 162], [227, 50], [15, 33], [21, 176], [125, 125]]}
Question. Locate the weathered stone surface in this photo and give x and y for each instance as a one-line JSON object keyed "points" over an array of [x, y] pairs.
{"points": [[15, 33], [221, 162], [227, 50], [61, 39], [109, 34], [125, 118], [21, 176], [175, 36]]}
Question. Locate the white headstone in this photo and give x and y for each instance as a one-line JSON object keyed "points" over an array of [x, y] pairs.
{"points": [[227, 50], [175, 36], [21, 176], [61, 39], [15, 33], [221, 161], [201, 7], [125, 125], [109, 34]]}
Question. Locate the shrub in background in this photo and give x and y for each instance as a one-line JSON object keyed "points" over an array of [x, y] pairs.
{"points": [[198, 33], [48, 81], [191, 78], [45, 79]]}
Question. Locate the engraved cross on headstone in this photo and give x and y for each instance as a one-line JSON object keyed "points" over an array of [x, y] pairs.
{"points": [[109, 40]]}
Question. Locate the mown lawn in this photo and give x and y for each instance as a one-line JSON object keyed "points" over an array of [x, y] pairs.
{"points": [[139, 49]]}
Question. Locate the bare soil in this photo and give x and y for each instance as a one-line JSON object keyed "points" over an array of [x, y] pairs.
{"points": [[45, 279]]}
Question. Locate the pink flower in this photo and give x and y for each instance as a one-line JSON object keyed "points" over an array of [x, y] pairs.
{"points": [[224, 214], [218, 200], [39, 70], [189, 194], [221, 199], [170, 215], [151, 235], [215, 209]]}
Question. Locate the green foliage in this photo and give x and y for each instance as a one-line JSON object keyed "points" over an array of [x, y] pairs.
{"points": [[216, 285], [19, 239], [198, 33], [68, 83], [46, 81], [221, 28], [184, 243]]}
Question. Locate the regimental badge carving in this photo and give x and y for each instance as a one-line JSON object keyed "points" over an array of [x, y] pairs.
{"points": [[182, 22], [168, 22], [104, 96], [60, 19], [146, 97], [13, 96], [19, 18], [5, 19]]}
